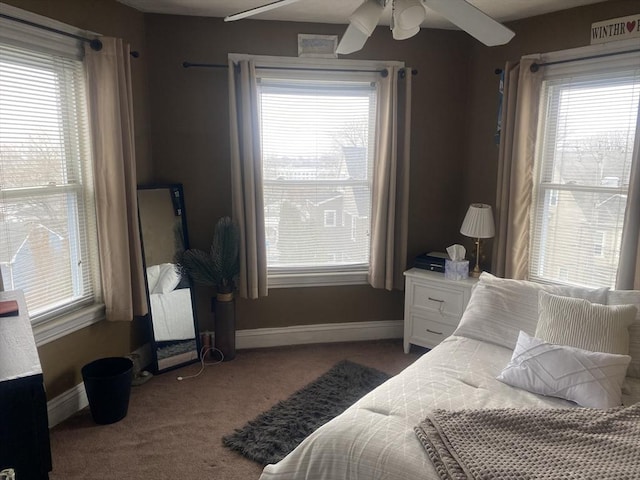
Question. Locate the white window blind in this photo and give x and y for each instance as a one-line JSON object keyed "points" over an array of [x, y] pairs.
{"points": [[317, 146], [47, 219], [584, 156]]}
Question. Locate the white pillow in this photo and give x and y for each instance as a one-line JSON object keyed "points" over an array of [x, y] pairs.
{"points": [[630, 297], [162, 278], [499, 308], [153, 273], [578, 323], [590, 379]]}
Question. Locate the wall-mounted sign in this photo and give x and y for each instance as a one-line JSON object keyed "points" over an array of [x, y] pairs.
{"points": [[622, 28]]}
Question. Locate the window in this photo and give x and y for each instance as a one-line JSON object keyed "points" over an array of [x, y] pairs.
{"points": [[47, 219], [317, 146], [598, 243], [330, 218], [584, 156], [354, 228]]}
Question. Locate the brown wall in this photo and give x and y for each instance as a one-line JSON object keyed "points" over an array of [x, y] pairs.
{"points": [[547, 33], [62, 359], [454, 157], [190, 137], [182, 116]]}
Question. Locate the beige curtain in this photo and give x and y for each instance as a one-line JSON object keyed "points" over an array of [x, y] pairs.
{"points": [[246, 178], [111, 117], [390, 203], [515, 170], [629, 264]]}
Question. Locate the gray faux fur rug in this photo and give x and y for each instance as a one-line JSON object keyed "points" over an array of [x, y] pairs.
{"points": [[273, 434]]}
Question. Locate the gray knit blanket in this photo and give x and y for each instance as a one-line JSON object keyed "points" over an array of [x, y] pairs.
{"points": [[534, 444]]}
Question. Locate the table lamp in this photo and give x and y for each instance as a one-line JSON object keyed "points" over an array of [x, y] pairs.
{"points": [[478, 223]]}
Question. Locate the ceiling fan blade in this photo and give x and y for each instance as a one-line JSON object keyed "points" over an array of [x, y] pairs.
{"points": [[257, 10], [473, 21]]}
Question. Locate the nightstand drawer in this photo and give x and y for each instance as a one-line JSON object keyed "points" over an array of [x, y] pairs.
{"points": [[433, 306], [442, 300], [429, 331]]}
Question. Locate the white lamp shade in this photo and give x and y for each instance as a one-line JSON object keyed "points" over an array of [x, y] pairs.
{"points": [[366, 16], [478, 222], [408, 14], [402, 34]]}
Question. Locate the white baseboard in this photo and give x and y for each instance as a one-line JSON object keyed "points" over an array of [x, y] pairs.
{"points": [[67, 404], [75, 399], [319, 333]]}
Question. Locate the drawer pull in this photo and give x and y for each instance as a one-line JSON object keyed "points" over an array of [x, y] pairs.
{"points": [[441, 302], [436, 333]]}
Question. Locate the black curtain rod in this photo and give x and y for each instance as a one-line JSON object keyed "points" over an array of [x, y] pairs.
{"points": [[204, 65], [536, 66], [94, 43], [384, 72]]}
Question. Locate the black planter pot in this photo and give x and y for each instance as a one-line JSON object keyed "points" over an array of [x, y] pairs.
{"points": [[225, 325]]}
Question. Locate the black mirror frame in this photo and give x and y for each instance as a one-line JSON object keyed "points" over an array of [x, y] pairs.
{"points": [[173, 187]]}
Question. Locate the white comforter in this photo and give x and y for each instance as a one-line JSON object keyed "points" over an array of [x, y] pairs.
{"points": [[374, 439], [172, 315]]}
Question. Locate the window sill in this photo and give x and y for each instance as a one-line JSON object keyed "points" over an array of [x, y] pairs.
{"points": [[58, 327], [319, 279]]}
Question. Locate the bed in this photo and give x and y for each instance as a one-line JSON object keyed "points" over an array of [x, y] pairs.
{"points": [[172, 315], [376, 438], [171, 307]]}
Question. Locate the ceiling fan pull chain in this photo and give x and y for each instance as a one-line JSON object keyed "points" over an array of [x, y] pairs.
{"points": [[392, 23]]}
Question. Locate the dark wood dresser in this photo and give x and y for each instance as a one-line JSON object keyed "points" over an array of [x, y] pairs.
{"points": [[24, 427]]}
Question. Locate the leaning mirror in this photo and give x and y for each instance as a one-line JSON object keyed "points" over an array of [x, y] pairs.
{"points": [[163, 232]]}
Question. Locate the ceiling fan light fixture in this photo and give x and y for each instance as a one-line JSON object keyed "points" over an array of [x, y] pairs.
{"points": [[408, 14], [365, 17], [404, 33]]}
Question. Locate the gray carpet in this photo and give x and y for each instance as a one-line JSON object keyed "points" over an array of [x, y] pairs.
{"points": [[273, 434]]}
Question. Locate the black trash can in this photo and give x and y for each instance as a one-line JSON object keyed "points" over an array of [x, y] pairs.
{"points": [[107, 382]]}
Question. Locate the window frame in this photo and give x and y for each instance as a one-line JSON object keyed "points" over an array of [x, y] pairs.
{"points": [[322, 69], [56, 324], [593, 59], [599, 244], [328, 214]]}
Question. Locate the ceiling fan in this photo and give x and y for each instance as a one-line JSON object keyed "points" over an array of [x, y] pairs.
{"points": [[407, 15]]}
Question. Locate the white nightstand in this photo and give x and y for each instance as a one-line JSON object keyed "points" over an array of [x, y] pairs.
{"points": [[433, 306]]}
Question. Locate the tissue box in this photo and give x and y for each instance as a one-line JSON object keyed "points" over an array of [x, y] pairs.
{"points": [[456, 270]]}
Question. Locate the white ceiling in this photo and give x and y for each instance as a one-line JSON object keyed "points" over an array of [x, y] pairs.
{"points": [[338, 11]]}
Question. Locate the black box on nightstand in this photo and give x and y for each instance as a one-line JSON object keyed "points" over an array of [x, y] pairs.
{"points": [[433, 261]]}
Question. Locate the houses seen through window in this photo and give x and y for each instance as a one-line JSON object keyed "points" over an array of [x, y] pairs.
{"points": [[47, 226], [583, 161], [317, 147]]}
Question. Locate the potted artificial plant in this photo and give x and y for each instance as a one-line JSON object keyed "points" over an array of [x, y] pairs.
{"points": [[219, 268]]}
